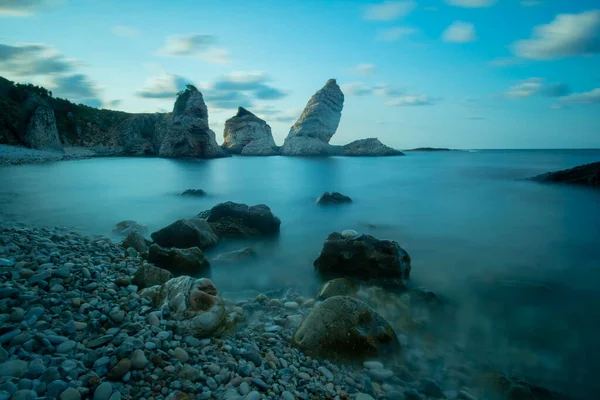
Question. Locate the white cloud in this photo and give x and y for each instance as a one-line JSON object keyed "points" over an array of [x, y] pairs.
{"points": [[537, 86], [568, 35], [459, 32], [125, 31], [471, 3], [24, 8], [530, 3], [163, 87], [270, 113], [195, 45], [389, 10], [393, 34], [415, 100], [387, 90], [364, 69], [591, 97], [356, 89]]}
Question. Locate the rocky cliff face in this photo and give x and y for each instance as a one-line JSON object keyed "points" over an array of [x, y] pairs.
{"points": [[249, 135], [187, 133], [311, 133], [41, 132]]}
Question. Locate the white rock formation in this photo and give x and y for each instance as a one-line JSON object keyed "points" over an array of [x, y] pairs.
{"points": [[311, 133], [248, 135], [41, 132]]}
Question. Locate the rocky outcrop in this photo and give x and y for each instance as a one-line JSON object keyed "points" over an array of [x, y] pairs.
{"points": [[364, 258], [311, 133], [182, 261], [187, 133], [343, 328], [41, 132], [333, 198], [136, 241], [126, 227], [235, 219], [194, 302], [588, 175], [148, 275], [142, 134], [186, 233], [248, 135], [194, 192], [370, 147], [337, 287]]}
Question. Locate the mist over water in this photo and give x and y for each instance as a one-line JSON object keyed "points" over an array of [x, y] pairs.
{"points": [[518, 260]]}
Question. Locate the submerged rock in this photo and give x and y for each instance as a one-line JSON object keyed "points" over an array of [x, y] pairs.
{"points": [[364, 258], [337, 287], [244, 254], [311, 133], [135, 240], [236, 219], [370, 147], [194, 302], [246, 134], [185, 261], [343, 328], [187, 133], [333, 198], [126, 227], [186, 233], [194, 192], [588, 174], [148, 275], [41, 132]]}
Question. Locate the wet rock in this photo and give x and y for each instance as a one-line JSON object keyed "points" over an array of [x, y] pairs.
{"points": [[245, 254], [333, 198], [13, 368], [249, 135], [118, 371], [194, 192], [588, 175], [126, 227], [186, 233], [235, 219], [136, 241], [185, 261], [148, 275], [337, 287]]}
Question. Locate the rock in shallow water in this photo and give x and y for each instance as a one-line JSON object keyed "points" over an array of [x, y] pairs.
{"points": [[333, 198], [148, 275], [235, 219], [248, 135], [190, 261], [186, 233]]}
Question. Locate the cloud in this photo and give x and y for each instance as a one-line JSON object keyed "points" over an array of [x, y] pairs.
{"points": [[163, 87], [33, 59], [530, 3], [77, 88], [254, 83], [270, 114], [537, 86], [591, 97], [557, 107], [471, 3], [415, 100], [227, 100], [386, 90], [459, 32], [568, 35], [124, 31], [356, 89], [394, 34], [389, 10], [23, 8], [364, 69], [195, 45]]}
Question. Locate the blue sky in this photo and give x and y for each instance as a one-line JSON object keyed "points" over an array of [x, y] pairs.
{"points": [[445, 73]]}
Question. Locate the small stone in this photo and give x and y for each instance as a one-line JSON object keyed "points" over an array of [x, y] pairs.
{"points": [[118, 371], [253, 395], [287, 395], [103, 391], [372, 365], [326, 373], [138, 359], [262, 385], [190, 373], [13, 368], [70, 394], [363, 396], [24, 394], [464, 395], [117, 316], [380, 374], [244, 388], [430, 388], [153, 319], [291, 305], [66, 347], [5, 262], [181, 355]]}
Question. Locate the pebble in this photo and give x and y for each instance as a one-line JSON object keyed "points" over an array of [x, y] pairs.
{"points": [[326, 373], [153, 319], [380, 374], [118, 371], [363, 396], [244, 388], [253, 395], [287, 395], [291, 305], [138, 359], [181, 355], [70, 394], [66, 347], [262, 385], [103, 391], [13, 368], [373, 365]]}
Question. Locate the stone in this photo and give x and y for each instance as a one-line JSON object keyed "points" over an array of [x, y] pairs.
{"points": [[311, 133], [181, 355], [190, 261], [333, 198], [249, 135], [187, 133], [588, 175], [430, 389], [337, 287], [231, 219], [186, 233], [24, 394], [363, 396], [364, 258], [103, 391], [70, 394], [117, 372], [124, 228], [343, 328], [136, 241], [189, 373], [13, 368], [138, 359], [194, 192], [244, 388], [236, 256], [370, 147], [5, 262], [148, 275], [66, 347], [41, 132], [372, 365]]}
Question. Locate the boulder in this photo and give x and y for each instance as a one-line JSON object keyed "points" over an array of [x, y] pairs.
{"points": [[135, 240], [194, 192], [186, 233], [235, 256], [311, 133], [343, 328], [363, 258], [148, 275], [187, 133], [337, 287], [41, 132], [236, 219], [193, 302], [588, 175], [126, 227], [333, 198], [184, 261], [247, 134], [370, 147]]}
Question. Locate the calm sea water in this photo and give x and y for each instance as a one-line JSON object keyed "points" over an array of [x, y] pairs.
{"points": [[522, 258]]}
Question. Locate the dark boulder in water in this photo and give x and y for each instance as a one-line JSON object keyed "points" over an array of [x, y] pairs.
{"points": [[137, 241], [337, 287], [588, 174], [194, 192], [363, 258], [126, 227], [235, 219], [184, 261], [333, 198], [245, 254], [186, 233]]}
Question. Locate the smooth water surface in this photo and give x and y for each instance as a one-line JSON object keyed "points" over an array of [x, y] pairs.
{"points": [[522, 258]]}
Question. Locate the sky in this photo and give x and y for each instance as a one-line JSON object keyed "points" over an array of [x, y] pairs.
{"points": [[443, 73]]}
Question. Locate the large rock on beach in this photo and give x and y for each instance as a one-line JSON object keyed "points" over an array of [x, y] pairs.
{"points": [[343, 328], [363, 258], [194, 302], [248, 135], [235, 219], [41, 132], [187, 133], [136, 241], [126, 227], [311, 133], [182, 261], [588, 175], [148, 275], [337, 287], [186, 233]]}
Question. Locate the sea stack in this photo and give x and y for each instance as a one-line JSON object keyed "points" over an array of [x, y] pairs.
{"points": [[41, 132], [311, 133], [248, 135], [187, 133]]}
